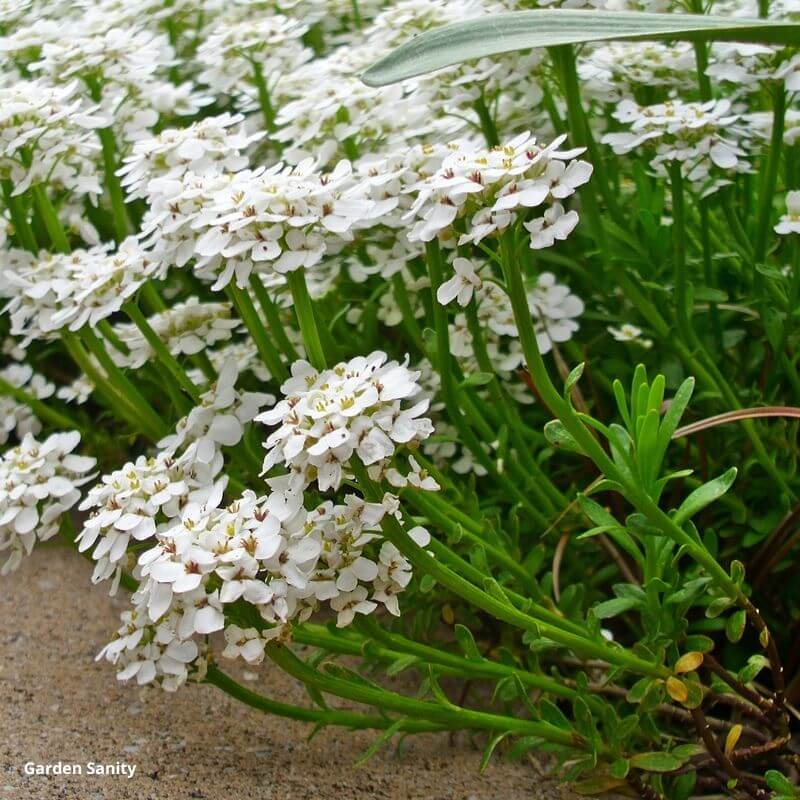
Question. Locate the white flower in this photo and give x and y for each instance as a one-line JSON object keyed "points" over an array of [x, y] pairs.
{"points": [[38, 482], [556, 224], [418, 477], [790, 221], [15, 417], [354, 408], [246, 643], [231, 47], [554, 308], [629, 333], [53, 128], [348, 604], [462, 285]]}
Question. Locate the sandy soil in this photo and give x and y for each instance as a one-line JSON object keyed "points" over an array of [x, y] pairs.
{"points": [[57, 704]]}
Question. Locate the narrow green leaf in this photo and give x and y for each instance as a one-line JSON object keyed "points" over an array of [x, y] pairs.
{"points": [[523, 30], [705, 495], [467, 643], [383, 739], [657, 762], [560, 437], [489, 749]]}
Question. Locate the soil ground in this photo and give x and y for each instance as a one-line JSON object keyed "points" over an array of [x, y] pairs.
{"points": [[58, 704]]}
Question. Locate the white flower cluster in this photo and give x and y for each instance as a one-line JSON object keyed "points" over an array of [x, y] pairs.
{"points": [[39, 481], [490, 188], [355, 408], [699, 136], [205, 146], [750, 66], [235, 49], [275, 219], [616, 70], [132, 502], [185, 328], [57, 290], [17, 418], [46, 135]]}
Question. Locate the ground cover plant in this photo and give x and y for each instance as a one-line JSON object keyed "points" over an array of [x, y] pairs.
{"points": [[476, 365]]}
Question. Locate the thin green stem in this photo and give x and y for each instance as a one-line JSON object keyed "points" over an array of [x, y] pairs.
{"points": [[499, 607], [449, 391], [272, 314], [304, 309], [132, 397], [770, 177], [160, 349], [50, 218], [346, 719], [410, 323], [266, 349], [19, 218]]}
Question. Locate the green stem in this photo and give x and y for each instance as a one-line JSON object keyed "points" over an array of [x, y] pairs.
{"points": [[448, 715], [682, 299], [142, 409], [122, 225], [50, 218], [501, 608], [564, 57], [590, 445], [266, 349], [346, 719], [119, 212], [488, 127], [767, 194], [161, 351], [422, 502], [19, 218], [272, 314], [450, 394], [404, 304], [151, 298], [304, 309], [397, 646]]}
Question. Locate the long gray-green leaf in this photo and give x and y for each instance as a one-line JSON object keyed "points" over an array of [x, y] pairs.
{"points": [[522, 30]]}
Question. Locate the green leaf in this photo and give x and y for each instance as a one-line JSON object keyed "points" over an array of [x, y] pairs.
{"points": [[523, 30], [573, 378], [705, 495], [477, 379], [383, 739], [780, 783], [489, 749], [657, 762], [401, 664], [560, 437], [673, 415], [620, 768], [467, 643], [612, 608], [734, 627]]}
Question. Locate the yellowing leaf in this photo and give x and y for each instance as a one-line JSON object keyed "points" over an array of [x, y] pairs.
{"points": [[688, 662], [732, 738], [677, 690]]}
